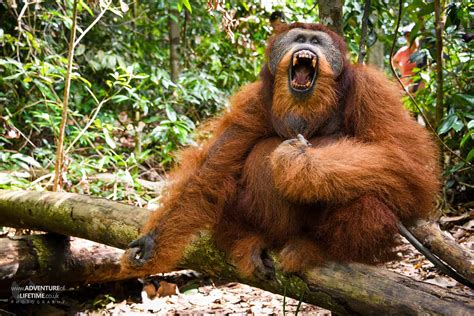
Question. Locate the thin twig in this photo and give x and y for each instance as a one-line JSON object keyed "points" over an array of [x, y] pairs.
{"points": [[67, 87], [306, 12], [10, 124], [363, 35], [20, 29], [89, 123], [107, 5], [400, 6]]}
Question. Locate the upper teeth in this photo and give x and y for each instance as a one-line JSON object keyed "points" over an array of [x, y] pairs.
{"points": [[304, 54]]}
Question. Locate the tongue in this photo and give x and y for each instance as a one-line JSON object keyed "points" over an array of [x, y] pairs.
{"points": [[302, 75]]}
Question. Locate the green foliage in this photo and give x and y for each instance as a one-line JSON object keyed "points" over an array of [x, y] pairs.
{"points": [[456, 128], [127, 118], [126, 115]]}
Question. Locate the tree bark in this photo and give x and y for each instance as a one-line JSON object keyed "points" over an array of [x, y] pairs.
{"points": [[48, 258], [433, 238], [376, 55], [330, 14], [363, 33], [174, 38], [344, 289], [110, 223], [439, 25]]}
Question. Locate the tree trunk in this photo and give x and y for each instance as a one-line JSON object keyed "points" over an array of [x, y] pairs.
{"points": [[376, 54], [439, 26], [173, 25], [330, 14], [363, 33], [344, 289]]}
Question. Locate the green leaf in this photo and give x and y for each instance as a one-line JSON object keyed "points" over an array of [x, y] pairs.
{"points": [[170, 113], [84, 5], [447, 124], [188, 6], [458, 125], [470, 155], [426, 9], [470, 124], [119, 98], [29, 160], [245, 5], [98, 123], [415, 30], [45, 90], [469, 135], [465, 99]]}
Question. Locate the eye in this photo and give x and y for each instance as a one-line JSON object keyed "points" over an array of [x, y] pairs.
{"points": [[314, 41], [300, 39]]}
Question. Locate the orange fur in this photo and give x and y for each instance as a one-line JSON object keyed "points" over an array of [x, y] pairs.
{"points": [[369, 165], [320, 105]]}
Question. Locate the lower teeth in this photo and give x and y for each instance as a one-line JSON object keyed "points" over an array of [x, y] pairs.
{"points": [[300, 86]]}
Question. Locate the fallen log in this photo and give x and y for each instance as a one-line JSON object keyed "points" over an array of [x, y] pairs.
{"points": [[344, 289], [48, 258], [438, 242]]}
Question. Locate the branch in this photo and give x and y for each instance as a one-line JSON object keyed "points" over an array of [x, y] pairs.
{"points": [[67, 86], [433, 238], [96, 20], [363, 35], [344, 289]]}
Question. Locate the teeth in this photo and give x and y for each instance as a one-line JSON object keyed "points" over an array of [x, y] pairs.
{"points": [[305, 54], [300, 86]]}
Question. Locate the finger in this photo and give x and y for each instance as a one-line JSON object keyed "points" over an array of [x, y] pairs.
{"points": [[135, 243], [133, 254], [292, 141], [302, 139], [148, 249]]}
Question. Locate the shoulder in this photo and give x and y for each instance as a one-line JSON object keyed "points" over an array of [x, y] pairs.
{"points": [[251, 98], [375, 104], [250, 92], [374, 82], [247, 107]]}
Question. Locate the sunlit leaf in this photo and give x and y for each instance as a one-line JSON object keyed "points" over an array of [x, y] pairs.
{"points": [[170, 113], [29, 160], [108, 139]]}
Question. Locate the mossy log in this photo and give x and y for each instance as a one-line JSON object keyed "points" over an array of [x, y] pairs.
{"points": [[344, 289]]}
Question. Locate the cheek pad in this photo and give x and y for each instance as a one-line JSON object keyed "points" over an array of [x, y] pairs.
{"points": [[280, 48], [333, 57]]}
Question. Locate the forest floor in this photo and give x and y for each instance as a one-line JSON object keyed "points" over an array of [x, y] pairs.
{"points": [[188, 293]]}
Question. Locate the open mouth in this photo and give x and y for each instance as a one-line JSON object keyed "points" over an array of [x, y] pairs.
{"points": [[303, 70]]}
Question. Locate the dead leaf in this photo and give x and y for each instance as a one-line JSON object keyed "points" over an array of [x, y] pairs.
{"points": [[167, 289]]}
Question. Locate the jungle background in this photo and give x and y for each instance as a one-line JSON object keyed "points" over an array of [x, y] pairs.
{"points": [[147, 74]]}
